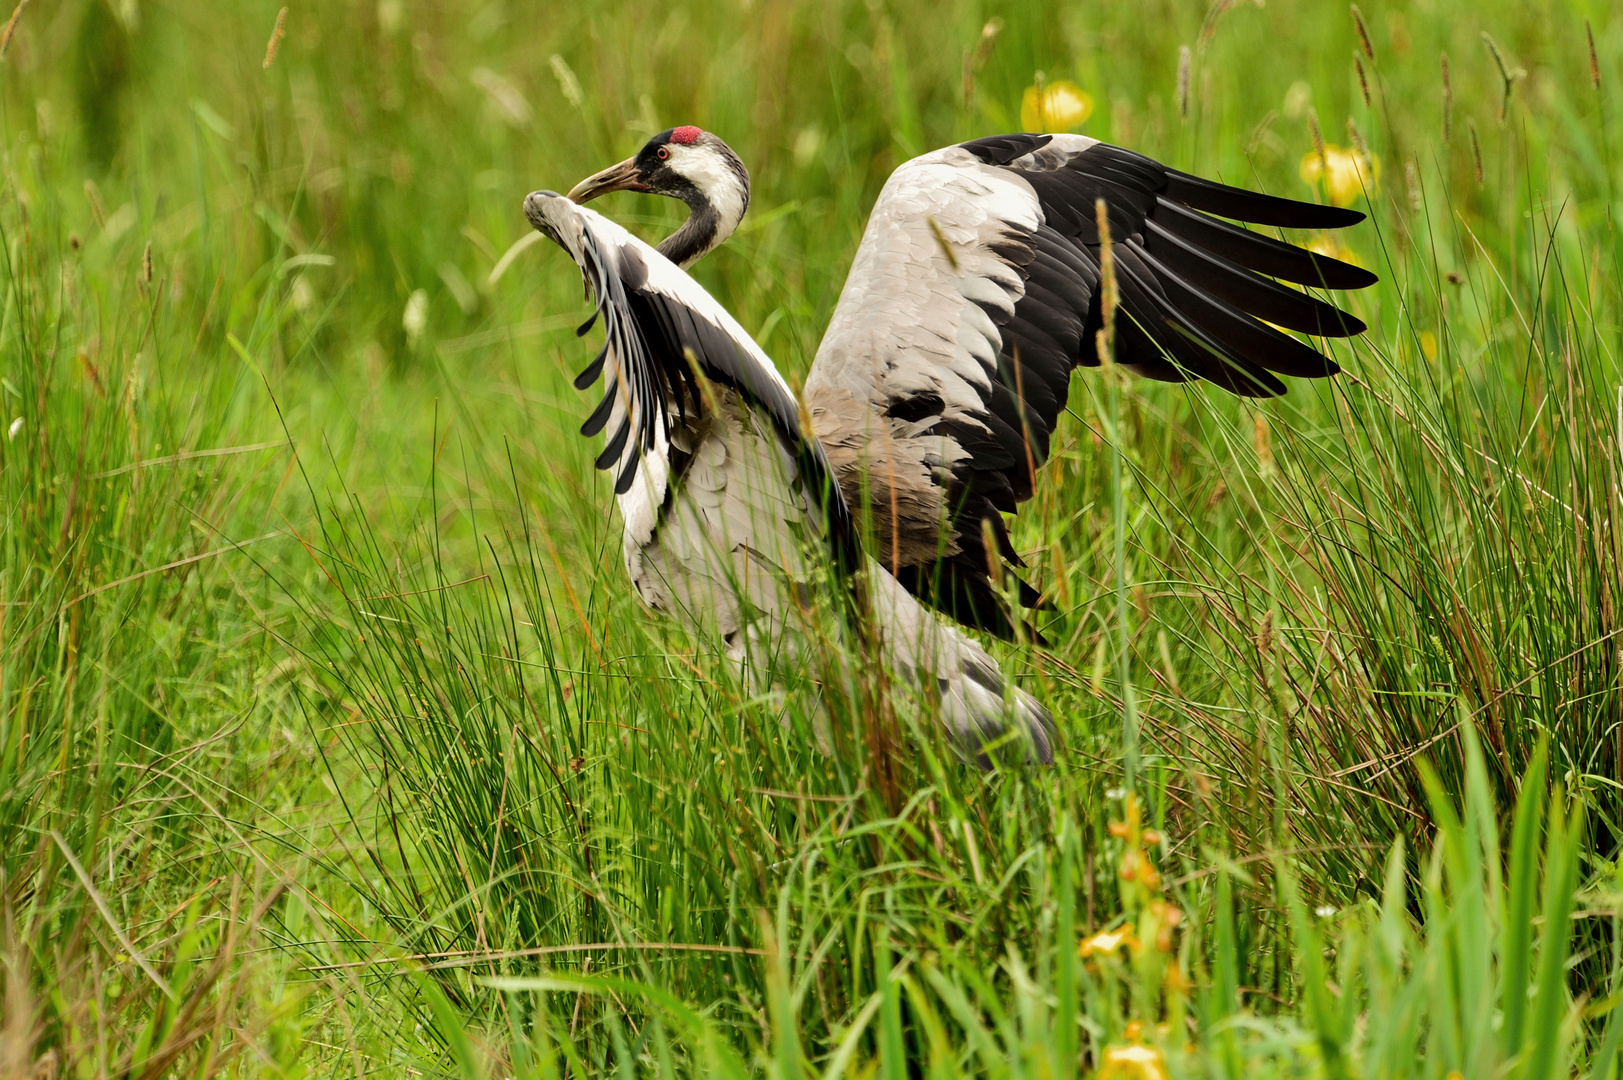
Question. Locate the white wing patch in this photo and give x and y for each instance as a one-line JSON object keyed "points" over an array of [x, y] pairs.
{"points": [[909, 320], [910, 317]]}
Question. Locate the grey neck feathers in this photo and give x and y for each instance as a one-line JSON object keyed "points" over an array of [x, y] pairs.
{"points": [[697, 237]]}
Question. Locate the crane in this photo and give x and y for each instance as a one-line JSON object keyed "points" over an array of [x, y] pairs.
{"points": [[931, 402]]}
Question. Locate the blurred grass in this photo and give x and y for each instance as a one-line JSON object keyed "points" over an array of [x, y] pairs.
{"points": [[294, 714]]}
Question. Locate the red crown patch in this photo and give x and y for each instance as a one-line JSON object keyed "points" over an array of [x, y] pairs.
{"points": [[686, 135]]}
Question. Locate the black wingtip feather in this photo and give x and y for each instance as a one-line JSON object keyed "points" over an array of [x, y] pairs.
{"points": [[627, 475], [1261, 253], [590, 373], [1252, 339], [1254, 207], [583, 328], [1179, 337], [1252, 293], [611, 451], [600, 415]]}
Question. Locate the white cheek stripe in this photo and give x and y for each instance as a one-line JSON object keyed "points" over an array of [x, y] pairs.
{"points": [[711, 174]]}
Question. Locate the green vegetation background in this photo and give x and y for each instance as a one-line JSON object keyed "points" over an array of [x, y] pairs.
{"points": [[333, 742]]}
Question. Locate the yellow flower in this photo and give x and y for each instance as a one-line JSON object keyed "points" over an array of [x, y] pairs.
{"points": [[1428, 344], [1108, 941], [1346, 173], [1059, 106], [1136, 867], [1166, 916], [1330, 246], [1135, 1062]]}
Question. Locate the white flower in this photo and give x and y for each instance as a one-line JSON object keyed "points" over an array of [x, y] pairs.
{"points": [[15, 429], [415, 319], [1325, 911]]}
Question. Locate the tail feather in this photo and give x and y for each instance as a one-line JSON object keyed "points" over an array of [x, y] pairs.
{"points": [[979, 707]]}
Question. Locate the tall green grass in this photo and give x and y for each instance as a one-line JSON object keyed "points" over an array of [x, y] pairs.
{"points": [[365, 747], [131, 663]]}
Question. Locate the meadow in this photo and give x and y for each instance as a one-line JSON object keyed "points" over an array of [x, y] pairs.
{"points": [[333, 741]]}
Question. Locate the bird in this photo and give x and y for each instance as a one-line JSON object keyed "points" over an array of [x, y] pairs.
{"points": [[930, 405]]}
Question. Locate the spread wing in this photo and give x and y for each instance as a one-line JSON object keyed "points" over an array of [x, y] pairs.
{"points": [[973, 296], [662, 332]]}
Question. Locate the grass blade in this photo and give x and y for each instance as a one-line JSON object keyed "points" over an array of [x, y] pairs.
{"points": [[1516, 950]]}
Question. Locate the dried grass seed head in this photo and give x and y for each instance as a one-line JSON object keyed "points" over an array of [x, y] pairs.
{"points": [[1363, 34], [1184, 62], [1448, 101], [1594, 58], [275, 39], [1508, 75]]}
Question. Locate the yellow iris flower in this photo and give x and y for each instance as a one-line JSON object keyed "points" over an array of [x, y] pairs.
{"points": [[1134, 1062], [1108, 941], [1059, 106], [1346, 173]]}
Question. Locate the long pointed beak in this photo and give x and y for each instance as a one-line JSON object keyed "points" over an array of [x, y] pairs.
{"points": [[621, 177]]}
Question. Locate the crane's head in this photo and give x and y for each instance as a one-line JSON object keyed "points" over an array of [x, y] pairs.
{"points": [[687, 164]]}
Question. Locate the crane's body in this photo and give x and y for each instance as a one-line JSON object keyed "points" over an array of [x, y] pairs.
{"points": [[730, 512], [932, 399]]}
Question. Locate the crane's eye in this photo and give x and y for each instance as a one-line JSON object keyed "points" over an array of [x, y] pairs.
{"points": [[663, 153]]}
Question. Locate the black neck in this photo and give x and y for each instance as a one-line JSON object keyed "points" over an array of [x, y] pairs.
{"points": [[687, 244]]}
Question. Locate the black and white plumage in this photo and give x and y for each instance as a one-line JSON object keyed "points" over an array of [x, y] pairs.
{"points": [[932, 399], [727, 505]]}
